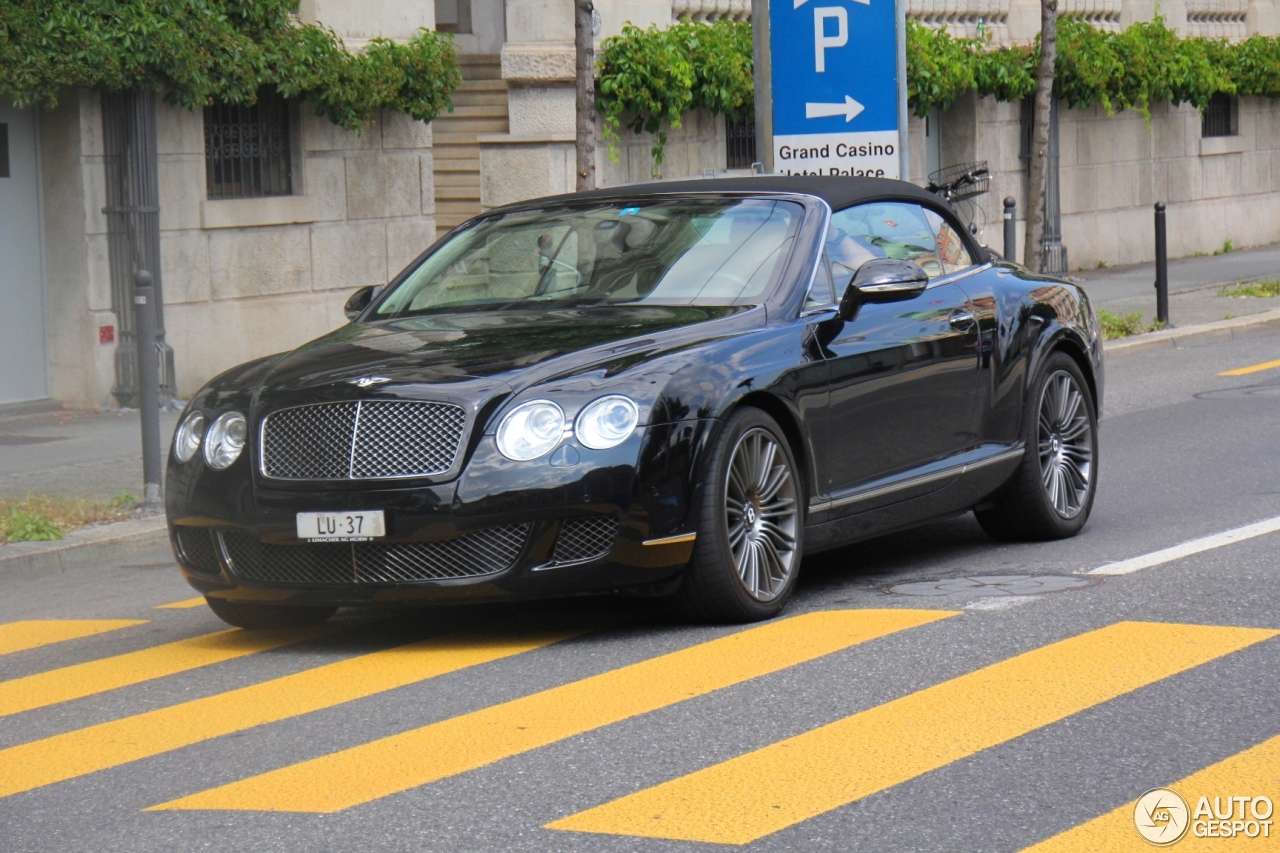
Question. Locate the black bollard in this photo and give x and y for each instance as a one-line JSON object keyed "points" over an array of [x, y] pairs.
{"points": [[1010, 228], [1162, 268], [148, 385]]}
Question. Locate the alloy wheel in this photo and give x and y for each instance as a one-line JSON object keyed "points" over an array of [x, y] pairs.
{"points": [[1065, 443], [762, 516]]}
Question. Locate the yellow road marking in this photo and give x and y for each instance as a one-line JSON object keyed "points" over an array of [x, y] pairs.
{"points": [[31, 634], [762, 792], [198, 601], [111, 744], [400, 762], [1254, 772], [1253, 368], [86, 679]]}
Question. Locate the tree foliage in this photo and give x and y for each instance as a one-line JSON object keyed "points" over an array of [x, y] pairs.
{"points": [[201, 51]]}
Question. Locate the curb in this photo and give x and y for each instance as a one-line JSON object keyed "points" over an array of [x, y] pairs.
{"points": [[1170, 337], [82, 549]]}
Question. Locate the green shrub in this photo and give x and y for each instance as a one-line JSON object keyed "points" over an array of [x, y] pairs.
{"points": [[29, 527]]}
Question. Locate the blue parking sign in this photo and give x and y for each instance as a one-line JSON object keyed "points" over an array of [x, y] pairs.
{"points": [[835, 87]]}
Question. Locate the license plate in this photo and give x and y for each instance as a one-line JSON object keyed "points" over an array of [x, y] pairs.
{"points": [[342, 526]]}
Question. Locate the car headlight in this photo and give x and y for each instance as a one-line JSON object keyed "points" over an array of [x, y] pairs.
{"points": [[607, 422], [186, 441], [224, 440], [530, 430]]}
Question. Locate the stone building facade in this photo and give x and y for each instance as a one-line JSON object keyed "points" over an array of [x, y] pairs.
{"points": [[245, 277], [241, 277]]}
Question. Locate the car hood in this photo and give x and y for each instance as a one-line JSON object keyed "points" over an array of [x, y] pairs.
{"points": [[515, 348]]}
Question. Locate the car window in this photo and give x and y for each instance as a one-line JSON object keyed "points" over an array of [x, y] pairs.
{"points": [[822, 293], [695, 251], [880, 230], [952, 251]]}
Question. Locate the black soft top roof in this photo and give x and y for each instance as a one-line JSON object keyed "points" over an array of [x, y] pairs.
{"points": [[838, 191]]}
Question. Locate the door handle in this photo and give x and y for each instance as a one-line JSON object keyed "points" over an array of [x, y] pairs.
{"points": [[962, 320]]}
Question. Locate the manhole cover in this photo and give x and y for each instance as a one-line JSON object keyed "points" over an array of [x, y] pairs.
{"points": [[993, 585]]}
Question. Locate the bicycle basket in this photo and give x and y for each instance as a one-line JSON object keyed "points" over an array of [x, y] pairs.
{"points": [[961, 181]]}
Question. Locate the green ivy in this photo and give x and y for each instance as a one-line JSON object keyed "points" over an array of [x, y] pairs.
{"points": [[201, 51], [654, 76], [648, 77]]}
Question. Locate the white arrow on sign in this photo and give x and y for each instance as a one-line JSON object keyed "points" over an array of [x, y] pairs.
{"points": [[799, 3], [849, 109]]}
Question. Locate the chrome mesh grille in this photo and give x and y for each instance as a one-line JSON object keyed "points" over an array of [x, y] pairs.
{"points": [[585, 538], [365, 440], [482, 552], [197, 549]]}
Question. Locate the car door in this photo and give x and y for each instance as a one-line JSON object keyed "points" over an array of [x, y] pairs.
{"points": [[902, 375]]}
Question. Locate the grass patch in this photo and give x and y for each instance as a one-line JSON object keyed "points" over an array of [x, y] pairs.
{"points": [[1255, 289], [42, 518], [1227, 247], [1123, 325]]}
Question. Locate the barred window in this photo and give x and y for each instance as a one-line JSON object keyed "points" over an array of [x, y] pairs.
{"points": [[247, 148], [1220, 116], [740, 143]]}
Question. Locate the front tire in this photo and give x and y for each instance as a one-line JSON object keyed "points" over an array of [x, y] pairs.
{"points": [[252, 614], [750, 525], [1051, 494]]}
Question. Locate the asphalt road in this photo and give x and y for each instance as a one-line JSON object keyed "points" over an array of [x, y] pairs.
{"points": [[930, 691]]}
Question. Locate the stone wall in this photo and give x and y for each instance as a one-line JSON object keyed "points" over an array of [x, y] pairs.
{"points": [[241, 278], [1115, 167]]}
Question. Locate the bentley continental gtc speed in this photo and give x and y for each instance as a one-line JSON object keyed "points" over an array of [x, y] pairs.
{"points": [[673, 389]]}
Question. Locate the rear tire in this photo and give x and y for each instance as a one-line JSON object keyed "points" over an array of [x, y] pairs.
{"points": [[1051, 494], [750, 526], [251, 614]]}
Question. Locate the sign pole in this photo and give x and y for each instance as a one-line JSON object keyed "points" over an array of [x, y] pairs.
{"points": [[764, 83], [904, 152]]}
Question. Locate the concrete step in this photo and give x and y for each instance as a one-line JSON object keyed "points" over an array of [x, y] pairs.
{"points": [[480, 66], [496, 98], [454, 137], [498, 85], [474, 111], [458, 179], [455, 166], [468, 195], [474, 126]]}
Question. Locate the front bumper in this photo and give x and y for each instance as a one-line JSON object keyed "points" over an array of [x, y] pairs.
{"points": [[581, 521]]}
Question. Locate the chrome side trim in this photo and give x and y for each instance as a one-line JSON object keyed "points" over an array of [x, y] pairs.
{"points": [[913, 482], [672, 540]]}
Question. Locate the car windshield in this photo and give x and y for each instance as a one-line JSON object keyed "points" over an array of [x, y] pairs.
{"points": [[712, 251]]}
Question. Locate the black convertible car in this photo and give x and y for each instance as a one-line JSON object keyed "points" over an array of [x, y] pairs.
{"points": [[673, 389]]}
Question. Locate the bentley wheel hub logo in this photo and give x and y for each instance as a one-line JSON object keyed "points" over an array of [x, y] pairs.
{"points": [[1161, 816]]}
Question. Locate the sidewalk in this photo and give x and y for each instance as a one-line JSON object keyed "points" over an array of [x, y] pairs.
{"points": [[1194, 284], [98, 454]]}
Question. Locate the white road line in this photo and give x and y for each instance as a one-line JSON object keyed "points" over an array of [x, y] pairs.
{"points": [[1186, 549]]}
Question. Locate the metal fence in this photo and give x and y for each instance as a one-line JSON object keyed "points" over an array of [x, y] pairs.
{"points": [[247, 148], [740, 143], [1219, 117]]}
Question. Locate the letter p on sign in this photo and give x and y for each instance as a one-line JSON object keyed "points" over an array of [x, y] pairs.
{"points": [[822, 41]]}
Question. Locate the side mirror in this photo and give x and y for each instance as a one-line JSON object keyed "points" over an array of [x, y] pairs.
{"points": [[883, 280], [360, 300]]}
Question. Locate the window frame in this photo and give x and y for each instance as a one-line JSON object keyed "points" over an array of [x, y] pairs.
{"points": [[291, 151], [980, 262]]}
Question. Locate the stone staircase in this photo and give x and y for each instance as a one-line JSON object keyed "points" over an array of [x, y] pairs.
{"points": [[479, 107]]}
